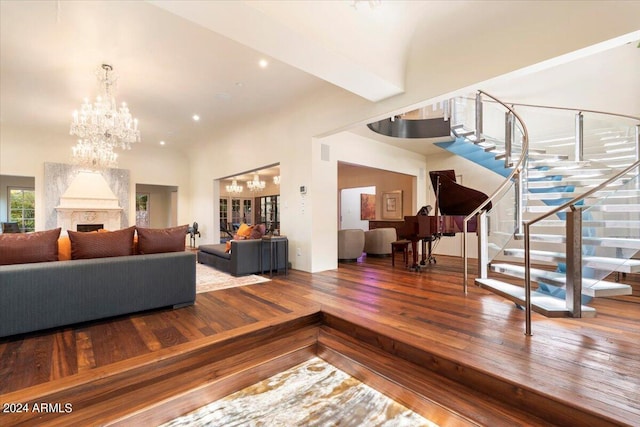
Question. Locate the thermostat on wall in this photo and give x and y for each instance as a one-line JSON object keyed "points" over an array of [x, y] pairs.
{"points": [[303, 189]]}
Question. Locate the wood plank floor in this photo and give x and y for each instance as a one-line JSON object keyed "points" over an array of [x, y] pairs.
{"points": [[593, 364]]}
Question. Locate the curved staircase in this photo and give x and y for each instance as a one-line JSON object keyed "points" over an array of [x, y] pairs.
{"points": [[565, 226]]}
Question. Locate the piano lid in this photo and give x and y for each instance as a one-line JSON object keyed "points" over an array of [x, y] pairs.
{"points": [[453, 198]]}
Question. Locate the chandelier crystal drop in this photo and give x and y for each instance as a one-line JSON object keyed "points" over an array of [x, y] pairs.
{"points": [[102, 122], [234, 187], [94, 155], [276, 180], [256, 184]]}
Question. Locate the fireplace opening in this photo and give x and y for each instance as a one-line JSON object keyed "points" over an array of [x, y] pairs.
{"points": [[89, 227]]}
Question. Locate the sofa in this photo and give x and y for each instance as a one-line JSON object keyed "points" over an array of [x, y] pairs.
{"points": [[39, 292], [50, 294], [243, 257], [377, 242]]}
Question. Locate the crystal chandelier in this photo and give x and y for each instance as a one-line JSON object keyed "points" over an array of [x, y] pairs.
{"points": [[256, 184], [373, 4], [94, 155], [103, 123], [234, 187], [276, 180]]}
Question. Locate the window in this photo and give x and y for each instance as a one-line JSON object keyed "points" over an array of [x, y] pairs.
{"points": [[22, 208], [246, 211], [236, 215], [142, 210], [224, 214]]}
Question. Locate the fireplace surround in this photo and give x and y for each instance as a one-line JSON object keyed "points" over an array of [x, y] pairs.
{"points": [[74, 196]]}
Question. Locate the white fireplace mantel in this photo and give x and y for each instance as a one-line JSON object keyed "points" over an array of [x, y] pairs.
{"points": [[88, 200]]}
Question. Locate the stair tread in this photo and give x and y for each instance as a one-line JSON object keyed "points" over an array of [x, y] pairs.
{"points": [[584, 173], [617, 264], [623, 207], [590, 287], [611, 242], [577, 182], [609, 194], [540, 303], [608, 223]]}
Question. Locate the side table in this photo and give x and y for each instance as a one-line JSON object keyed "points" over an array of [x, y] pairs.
{"points": [[273, 241]]}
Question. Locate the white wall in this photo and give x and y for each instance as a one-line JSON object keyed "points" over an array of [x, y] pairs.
{"points": [[350, 208], [351, 148], [161, 199], [23, 152]]}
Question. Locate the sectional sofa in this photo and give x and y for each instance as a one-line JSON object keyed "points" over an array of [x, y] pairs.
{"points": [[38, 295], [244, 256]]}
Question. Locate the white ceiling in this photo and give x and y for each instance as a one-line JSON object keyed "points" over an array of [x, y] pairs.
{"points": [[179, 58], [171, 68]]}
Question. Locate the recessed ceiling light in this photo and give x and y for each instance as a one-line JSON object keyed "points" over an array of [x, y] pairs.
{"points": [[263, 63], [196, 117], [162, 143]]}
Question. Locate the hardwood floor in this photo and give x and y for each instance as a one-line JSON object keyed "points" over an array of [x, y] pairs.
{"points": [[458, 359]]}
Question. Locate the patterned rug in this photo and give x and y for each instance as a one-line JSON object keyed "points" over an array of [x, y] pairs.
{"points": [[209, 279]]}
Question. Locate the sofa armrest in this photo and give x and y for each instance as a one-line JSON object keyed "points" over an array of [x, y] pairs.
{"points": [[245, 256]]}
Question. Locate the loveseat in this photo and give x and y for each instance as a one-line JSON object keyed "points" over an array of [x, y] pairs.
{"points": [[350, 244], [378, 241], [37, 295], [243, 257]]}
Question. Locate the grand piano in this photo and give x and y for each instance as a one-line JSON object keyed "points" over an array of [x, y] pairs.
{"points": [[453, 203]]}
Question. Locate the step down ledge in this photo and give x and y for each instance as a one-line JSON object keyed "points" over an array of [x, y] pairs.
{"points": [[540, 303]]}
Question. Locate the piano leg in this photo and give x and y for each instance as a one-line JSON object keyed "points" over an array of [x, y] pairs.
{"points": [[414, 248], [431, 257], [426, 254]]}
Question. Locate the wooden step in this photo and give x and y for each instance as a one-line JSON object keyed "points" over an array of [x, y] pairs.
{"points": [[436, 397], [590, 287], [599, 263], [540, 303], [160, 386]]}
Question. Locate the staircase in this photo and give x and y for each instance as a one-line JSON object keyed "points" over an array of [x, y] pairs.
{"points": [[567, 218]]}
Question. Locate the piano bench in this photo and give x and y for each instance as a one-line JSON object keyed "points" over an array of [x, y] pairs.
{"points": [[397, 246]]}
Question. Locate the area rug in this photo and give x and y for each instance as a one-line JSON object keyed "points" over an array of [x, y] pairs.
{"points": [[209, 279]]}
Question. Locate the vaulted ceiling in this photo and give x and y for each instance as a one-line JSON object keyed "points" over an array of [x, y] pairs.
{"points": [[180, 58]]}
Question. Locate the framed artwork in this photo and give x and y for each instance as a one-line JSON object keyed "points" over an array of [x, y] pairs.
{"points": [[367, 206], [392, 205]]}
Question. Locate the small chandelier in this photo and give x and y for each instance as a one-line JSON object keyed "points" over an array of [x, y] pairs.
{"points": [[103, 122], [276, 180], [256, 184], [94, 155], [234, 187]]}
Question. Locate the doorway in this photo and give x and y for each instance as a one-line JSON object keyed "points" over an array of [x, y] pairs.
{"points": [[156, 206]]}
